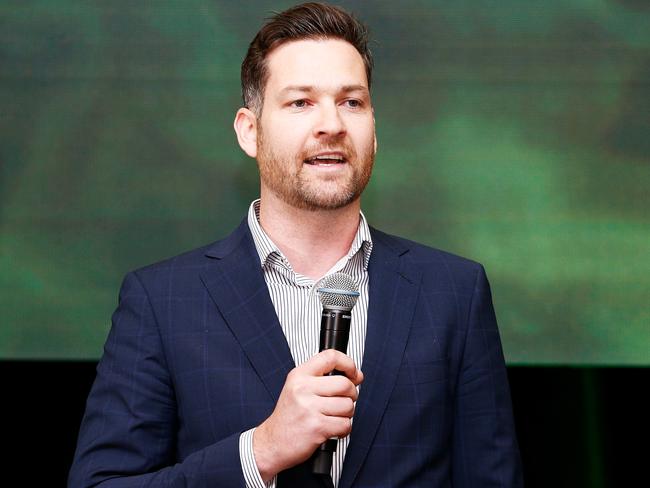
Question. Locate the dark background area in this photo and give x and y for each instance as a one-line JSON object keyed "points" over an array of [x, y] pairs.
{"points": [[577, 427]]}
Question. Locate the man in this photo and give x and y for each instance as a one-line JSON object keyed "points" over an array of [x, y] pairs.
{"points": [[211, 374]]}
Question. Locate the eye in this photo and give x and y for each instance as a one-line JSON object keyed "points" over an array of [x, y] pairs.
{"points": [[302, 103], [354, 103]]}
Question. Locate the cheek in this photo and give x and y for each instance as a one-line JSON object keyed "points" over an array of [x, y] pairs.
{"points": [[285, 138], [364, 133], [366, 142]]}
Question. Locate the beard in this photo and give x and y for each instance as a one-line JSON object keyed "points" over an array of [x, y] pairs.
{"points": [[288, 177]]}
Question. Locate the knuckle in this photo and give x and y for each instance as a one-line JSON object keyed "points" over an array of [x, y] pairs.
{"points": [[298, 390], [320, 430], [346, 427], [311, 405], [312, 424], [335, 382], [350, 406], [345, 387], [330, 356]]}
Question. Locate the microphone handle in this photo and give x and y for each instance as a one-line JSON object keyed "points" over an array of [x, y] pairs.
{"points": [[334, 334]]}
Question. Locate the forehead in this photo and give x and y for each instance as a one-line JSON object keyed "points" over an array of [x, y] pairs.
{"points": [[327, 63]]}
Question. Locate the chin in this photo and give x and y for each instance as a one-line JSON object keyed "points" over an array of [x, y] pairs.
{"points": [[328, 202]]}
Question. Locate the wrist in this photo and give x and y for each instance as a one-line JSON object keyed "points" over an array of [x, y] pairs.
{"points": [[265, 454]]}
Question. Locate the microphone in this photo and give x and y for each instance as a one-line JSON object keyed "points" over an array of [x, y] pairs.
{"points": [[338, 294]]}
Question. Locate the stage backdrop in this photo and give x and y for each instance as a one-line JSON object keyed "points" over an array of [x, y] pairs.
{"points": [[514, 133]]}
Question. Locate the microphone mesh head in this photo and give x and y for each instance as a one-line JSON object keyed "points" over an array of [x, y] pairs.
{"points": [[338, 290]]}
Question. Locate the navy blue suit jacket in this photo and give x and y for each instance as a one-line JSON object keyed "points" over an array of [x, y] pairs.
{"points": [[196, 355]]}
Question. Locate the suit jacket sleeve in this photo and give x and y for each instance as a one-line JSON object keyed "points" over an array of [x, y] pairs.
{"points": [[128, 434], [485, 451]]}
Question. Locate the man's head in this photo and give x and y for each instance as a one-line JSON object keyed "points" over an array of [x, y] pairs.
{"points": [[312, 127], [305, 21]]}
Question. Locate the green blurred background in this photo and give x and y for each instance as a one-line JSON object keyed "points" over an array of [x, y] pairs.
{"points": [[516, 133]]}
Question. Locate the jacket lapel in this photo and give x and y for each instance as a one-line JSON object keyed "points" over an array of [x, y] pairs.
{"points": [[236, 285], [393, 288]]}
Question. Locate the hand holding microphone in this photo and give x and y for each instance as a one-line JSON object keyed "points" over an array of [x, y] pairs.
{"points": [[314, 405]]}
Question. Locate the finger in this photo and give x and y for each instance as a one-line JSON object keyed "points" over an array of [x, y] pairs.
{"points": [[336, 427], [336, 406], [334, 386], [358, 379], [326, 361]]}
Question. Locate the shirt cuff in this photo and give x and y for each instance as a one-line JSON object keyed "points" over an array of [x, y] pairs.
{"points": [[252, 476]]}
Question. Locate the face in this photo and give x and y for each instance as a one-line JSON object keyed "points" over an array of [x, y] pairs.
{"points": [[315, 138]]}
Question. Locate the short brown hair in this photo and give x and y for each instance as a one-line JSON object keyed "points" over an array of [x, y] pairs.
{"points": [[306, 21]]}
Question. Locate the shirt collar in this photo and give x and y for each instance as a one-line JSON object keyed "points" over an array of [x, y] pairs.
{"points": [[266, 248]]}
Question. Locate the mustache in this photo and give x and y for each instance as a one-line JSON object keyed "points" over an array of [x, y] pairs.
{"points": [[346, 150]]}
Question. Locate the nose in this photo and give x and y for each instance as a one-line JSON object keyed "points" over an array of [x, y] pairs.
{"points": [[330, 122]]}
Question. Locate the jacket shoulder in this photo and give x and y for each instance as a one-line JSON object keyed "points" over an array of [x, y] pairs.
{"points": [[188, 265], [431, 260]]}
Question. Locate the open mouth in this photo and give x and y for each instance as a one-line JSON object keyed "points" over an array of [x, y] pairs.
{"points": [[326, 160]]}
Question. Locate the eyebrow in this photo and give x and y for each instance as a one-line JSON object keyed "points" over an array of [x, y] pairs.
{"points": [[311, 89]]}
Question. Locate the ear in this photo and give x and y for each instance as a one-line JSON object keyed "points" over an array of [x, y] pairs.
{"points": [[246, 129]]}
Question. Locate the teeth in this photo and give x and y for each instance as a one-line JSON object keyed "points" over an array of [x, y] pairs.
{"points": [[329, 158]]}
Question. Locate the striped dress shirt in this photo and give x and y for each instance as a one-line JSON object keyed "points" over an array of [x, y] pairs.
{"points": [[298, 308]]}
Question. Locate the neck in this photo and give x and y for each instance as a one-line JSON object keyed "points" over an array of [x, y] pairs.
{"points": [[312, 240]]}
